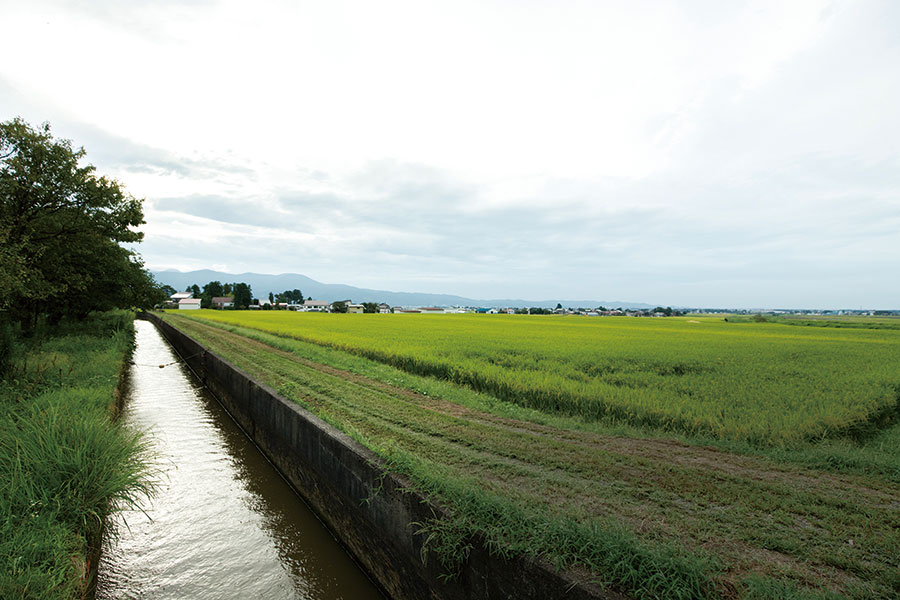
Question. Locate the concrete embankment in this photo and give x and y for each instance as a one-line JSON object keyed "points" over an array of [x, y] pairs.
{"points": [[370, 511]]}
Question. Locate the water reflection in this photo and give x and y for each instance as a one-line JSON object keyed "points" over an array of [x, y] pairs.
{"points": [[225, 524]]}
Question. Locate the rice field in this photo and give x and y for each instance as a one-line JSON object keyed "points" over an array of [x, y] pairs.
{"points": [[646, 513], [766, 383]]}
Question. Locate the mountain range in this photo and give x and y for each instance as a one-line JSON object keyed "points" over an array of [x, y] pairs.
{"points": [[262, 284]]}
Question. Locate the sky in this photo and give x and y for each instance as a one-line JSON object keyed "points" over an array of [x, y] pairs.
{"points": [[706, 153]]}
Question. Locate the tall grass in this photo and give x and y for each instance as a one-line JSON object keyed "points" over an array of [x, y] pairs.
{"points": [[63, 464]]}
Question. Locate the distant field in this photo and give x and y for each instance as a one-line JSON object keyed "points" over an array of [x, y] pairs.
{"points": [[760, 382], [859, 322]]}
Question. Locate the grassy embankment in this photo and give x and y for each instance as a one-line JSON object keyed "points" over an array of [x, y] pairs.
{"points": [[63, 464], [653, 513]]}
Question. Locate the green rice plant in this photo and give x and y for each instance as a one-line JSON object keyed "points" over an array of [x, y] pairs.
{"points": [[762, 382]]}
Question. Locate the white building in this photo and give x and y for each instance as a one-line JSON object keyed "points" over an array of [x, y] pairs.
{"points": [[315, 305], [189, 304]]}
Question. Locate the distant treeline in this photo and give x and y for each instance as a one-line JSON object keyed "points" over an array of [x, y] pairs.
{"points": [[240, 292]]}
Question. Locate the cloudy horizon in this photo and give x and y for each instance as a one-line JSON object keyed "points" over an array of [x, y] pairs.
{"points": [[678, 153]]}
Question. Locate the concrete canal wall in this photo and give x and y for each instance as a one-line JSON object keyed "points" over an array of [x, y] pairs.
{"points": [[367, 510]]}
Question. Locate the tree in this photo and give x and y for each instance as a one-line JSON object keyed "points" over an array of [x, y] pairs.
{"points": [[61, 226], [271, 298], [226, 289], [243, 295], [290, 296], [339, 307], [211, 290], [370, 307], [13, 271], [195, 290], [558, 306]]}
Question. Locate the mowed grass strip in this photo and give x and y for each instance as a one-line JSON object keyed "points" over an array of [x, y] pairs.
{"points": [[714, 524], [768, 384]]}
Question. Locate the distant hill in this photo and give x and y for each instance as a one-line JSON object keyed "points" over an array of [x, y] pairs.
{"points": [[262, 284]]}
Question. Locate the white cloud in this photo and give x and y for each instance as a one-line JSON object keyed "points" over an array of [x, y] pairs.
{"points": [[674, 152]]}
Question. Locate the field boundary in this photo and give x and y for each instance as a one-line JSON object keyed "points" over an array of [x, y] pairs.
{"points": [[374, 513]]}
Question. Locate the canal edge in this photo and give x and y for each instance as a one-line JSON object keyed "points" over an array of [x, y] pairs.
{"points": [[371, 512]]}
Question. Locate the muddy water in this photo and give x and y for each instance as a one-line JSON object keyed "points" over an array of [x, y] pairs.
{"points": [[224, 524]]}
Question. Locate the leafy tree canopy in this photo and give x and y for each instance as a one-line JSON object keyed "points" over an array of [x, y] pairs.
{"points": [[290, 296], [243, 295], [61, 226], [213, 289]]}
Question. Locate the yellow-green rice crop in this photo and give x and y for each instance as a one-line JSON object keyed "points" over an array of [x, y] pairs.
{"points": [[766, 382]]}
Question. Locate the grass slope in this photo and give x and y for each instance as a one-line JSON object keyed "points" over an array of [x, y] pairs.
{"points": [[654, 516], [63, 464]]}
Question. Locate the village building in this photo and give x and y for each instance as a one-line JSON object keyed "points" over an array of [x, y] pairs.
{"points": [[223, 302], [315, 305], [189, 304]]}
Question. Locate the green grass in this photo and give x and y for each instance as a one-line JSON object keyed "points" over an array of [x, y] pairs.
{"points": [[63, 464], [763, 383], [645, 513]]}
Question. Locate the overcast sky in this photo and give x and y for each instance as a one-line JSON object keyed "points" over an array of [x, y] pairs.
{"points": [[708, 153]]}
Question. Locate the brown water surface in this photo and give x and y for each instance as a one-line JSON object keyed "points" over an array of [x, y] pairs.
{"points": [[224, 524]]}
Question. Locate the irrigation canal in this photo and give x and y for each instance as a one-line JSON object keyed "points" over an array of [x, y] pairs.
{"points": [[224, 523]]}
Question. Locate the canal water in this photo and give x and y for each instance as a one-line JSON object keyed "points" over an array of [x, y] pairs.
{"points": [[224, 524]]}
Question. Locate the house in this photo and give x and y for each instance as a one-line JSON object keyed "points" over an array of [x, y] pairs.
{"points": [[432, 310], [177, 297], [315, 305], [356, 308], [223, 302], [384, 308], [189, 304]]}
